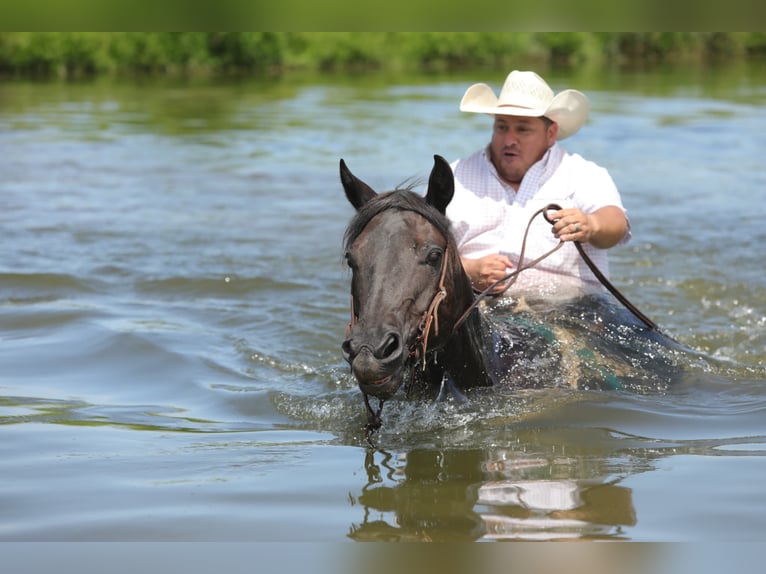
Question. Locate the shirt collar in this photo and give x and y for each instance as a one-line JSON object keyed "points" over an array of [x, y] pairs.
{"points": [[547, 165], [539, 173]]}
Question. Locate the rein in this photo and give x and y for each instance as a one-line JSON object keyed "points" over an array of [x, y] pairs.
{"points": [[419, 345], [431, 315], [588, 261], [513, 274]]}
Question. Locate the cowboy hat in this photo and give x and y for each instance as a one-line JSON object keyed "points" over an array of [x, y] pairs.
{"points": [[527, 94]]}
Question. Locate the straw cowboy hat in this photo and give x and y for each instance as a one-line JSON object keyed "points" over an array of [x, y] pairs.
{"points": [[527, 94]]}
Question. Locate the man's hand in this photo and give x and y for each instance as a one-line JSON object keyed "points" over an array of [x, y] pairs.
{"points": [[487, 270], [604, 228]]}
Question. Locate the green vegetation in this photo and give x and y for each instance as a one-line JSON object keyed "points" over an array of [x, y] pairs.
{"points": [[74, 54]]}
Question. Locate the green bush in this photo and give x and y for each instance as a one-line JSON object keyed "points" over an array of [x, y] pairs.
{"points": [[80, 53], [562, 47], [245, 51], [460, 50], [754, 43]]}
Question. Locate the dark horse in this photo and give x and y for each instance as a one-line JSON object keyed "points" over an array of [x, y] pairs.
{"points": [[414, 319], [408, 294]]}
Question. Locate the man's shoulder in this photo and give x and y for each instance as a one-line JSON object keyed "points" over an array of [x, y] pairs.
{"points": [[586, 178], [576, 161]]}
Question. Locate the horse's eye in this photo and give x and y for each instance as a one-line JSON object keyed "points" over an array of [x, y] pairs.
{"points": [[434, 257], [349, 260]]}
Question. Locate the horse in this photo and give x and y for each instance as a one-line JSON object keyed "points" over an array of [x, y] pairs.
{"points": [[408, 293], [415, 322]]}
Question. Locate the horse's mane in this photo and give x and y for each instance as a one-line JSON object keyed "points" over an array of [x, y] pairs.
{"points": [[401, 199]]}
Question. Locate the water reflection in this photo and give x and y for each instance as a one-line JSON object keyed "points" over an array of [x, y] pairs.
{"points": [[493, 494]]}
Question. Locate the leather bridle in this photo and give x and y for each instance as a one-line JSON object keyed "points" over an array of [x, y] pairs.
{"points": [[431, 315], [419, 345]]}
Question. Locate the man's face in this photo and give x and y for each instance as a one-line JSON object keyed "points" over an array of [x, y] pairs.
{"points": [[517, 143]]}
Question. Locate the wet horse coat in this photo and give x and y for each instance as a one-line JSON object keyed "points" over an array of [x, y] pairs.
{"points": [[408, 291]]}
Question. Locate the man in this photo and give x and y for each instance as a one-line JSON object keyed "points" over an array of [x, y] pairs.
{"points": [[501, 186]]}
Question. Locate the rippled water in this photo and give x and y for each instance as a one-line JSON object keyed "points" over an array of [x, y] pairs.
{"points": [[172, 302]]}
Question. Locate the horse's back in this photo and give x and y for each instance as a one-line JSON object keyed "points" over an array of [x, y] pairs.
{"points": [[585, 343]]}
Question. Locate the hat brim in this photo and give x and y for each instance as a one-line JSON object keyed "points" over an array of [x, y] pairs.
{"points": [[569, 109]]}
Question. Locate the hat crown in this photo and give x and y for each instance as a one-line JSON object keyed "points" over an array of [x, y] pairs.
{"points": [[525, 90]]}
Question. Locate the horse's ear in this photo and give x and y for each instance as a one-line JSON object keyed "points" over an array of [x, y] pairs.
{"points": [[441, 184], [357, 192]]}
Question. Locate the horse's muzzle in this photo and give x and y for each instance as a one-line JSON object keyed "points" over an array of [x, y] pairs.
{"points": [[377, 367], [384, 388]]}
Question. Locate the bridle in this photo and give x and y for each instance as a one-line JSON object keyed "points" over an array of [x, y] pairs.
{"points": [[418, 348], [430, 316]]}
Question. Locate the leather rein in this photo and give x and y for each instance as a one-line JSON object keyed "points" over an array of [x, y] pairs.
{"points": [[419, 346], [512, 276]]}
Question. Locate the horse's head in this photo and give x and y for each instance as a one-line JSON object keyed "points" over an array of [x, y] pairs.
{"points": [[406, 273]]}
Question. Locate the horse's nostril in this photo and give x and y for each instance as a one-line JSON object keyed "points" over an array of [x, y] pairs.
{"points": [[347, 351], [390, 346]]}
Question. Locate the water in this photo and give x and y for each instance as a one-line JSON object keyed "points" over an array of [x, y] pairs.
{"points": [[173, 298]]}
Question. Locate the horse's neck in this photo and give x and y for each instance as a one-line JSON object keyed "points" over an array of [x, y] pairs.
{"points": [[466, 354]]}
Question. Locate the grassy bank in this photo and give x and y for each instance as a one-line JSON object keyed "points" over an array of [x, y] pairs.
{"points": [[73, 54]]}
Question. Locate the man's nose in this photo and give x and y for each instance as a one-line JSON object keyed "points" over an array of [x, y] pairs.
{"points": [[510, 138]]}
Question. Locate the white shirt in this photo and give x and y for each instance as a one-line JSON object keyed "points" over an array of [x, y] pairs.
{"points": [[489, 216]]}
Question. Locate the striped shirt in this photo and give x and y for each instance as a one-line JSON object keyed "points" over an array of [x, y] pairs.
{"points": [[489, 216]]}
